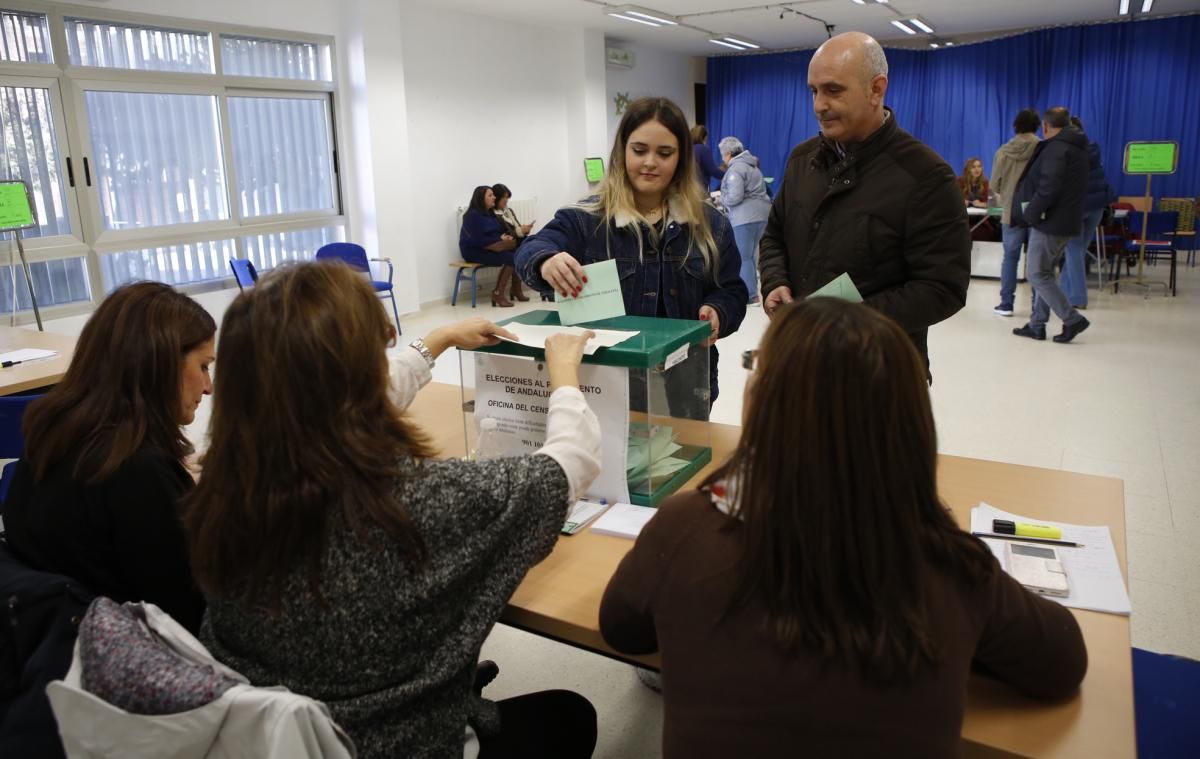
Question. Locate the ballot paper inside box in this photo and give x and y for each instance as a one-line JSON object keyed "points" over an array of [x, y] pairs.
{"points": [[650, 392]]}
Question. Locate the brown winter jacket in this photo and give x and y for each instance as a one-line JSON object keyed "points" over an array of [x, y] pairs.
{"points": [[890, 214]]}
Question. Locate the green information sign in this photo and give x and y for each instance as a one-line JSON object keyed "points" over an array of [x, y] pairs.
{"points": [[1151, 157], [594, 168], [15, 211]]}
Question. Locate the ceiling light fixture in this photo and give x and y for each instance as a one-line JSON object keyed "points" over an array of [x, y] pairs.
{"points": [[1123, 10], [743, 42], [861, 2], [640, 15], [1147, 5], [901, 26], [917, 22], [723, 43]]}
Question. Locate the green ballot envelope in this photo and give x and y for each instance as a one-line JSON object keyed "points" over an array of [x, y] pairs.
{"points": [[599, 299], [841, 287]]}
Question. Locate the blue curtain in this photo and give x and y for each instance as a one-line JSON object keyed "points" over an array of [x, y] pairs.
{"points": [[1127, 81]]}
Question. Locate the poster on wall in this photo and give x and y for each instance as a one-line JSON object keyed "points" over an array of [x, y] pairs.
{"points": [[515, 392]]}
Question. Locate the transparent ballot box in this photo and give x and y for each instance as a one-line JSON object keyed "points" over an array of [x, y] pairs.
{"points": [[649, 389]]}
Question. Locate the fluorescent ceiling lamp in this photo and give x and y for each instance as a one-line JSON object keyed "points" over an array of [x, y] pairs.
{"points": [[900, 25], [934, 45], [641, 15], [861, 2], [1146, 5], [623, 17], [725, 44], [882, 2], [921, 25], [744, 43], [1124, 9]]}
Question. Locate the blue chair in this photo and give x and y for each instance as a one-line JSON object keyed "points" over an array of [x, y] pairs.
{"points": [[243, 272], [355, 256], [12, 439], [1160, 237]]}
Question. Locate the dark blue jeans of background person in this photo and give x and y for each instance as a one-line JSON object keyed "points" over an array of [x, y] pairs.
{"points": [[1074, 274], [1014, 238], [747, 236]]}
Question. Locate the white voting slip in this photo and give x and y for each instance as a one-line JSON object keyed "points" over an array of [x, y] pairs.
{"points": [[1092, 569], [26, 354], [623, 520], [534, 335]]}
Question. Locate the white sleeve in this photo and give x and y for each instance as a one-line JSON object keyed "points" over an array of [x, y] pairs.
{"points": [[408, 372], [573, 439]]}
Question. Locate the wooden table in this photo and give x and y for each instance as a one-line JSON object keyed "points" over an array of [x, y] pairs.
{"points": [[560, 598], [35, 374]]}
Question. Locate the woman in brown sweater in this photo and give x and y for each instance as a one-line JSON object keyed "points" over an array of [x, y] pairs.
{"points": [[815, 592]]}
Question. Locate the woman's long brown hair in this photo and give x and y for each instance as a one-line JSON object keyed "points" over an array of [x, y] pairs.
{"points": [[835, 480], [302, 427], [122, 390]]}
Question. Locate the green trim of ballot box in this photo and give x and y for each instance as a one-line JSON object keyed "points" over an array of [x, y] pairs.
{"points": [[656, 339]]}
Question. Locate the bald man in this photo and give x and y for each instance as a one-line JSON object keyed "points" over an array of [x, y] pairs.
{"points": [[866, 198]]}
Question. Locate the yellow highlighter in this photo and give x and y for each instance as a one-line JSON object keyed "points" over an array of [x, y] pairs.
{"points": [[1026, 529]]}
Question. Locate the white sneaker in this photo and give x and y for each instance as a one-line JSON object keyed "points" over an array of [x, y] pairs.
{"points": [[1001, 310]]}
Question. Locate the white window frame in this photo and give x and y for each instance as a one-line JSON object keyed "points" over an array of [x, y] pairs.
{"points": [[89, 239]]}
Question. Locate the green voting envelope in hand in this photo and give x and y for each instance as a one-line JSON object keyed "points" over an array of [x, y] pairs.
{"points": [[600, 297], [841, 287]]}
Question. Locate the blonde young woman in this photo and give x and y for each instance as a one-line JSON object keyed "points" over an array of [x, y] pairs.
{"points": [[675, 254]]}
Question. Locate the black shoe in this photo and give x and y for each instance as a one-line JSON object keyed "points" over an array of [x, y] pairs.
{"points": [[1027, 331], [1071, 330]]}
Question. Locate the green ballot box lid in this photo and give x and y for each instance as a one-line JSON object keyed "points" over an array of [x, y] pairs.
{"points": [[656, 339]]}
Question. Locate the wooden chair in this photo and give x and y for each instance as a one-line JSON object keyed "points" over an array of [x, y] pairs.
{"points": [[466, 272]]}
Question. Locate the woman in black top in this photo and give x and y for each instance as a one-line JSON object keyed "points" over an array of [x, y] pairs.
{"points": [[96, 496]]}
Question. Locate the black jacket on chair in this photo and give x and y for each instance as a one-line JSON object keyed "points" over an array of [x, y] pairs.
{"points": [[37, 642], [1054, 184]]}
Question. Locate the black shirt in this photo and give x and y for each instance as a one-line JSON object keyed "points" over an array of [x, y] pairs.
{"points": [[122, 538]]}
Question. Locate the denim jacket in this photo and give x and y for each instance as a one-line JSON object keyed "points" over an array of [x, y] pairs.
{"points": [[684, 285]]}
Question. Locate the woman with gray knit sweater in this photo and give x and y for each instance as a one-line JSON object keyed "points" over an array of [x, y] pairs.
{"points": [[340, 558]]}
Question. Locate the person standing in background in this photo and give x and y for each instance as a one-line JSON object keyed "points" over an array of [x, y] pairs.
{"points": [[706, 169], [1049, 201], [1100, 193], [1007, 166], [744, 196]]}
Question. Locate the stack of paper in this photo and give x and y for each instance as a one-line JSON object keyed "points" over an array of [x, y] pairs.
{"points": [[651, 452], [623, 520], [581, 513], [22, 355], [534, 335], [1093, 574]]}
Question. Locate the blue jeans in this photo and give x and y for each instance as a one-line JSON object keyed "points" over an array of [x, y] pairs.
{"points": [[747, 236], [1074, 274], [1014, 238]]}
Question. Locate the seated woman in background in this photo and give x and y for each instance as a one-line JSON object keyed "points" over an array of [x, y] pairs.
{"points": [[483, 240], [974, 184], [97, 494], [744, 196], [340, 558], [675, 253], [519, 231], [815, 591]]}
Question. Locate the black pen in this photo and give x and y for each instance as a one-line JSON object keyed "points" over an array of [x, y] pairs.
{"points": [[6, 364], [1050, 541]]}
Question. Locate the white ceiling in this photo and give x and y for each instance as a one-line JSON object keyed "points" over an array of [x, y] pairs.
{"points": [[960, 20]]}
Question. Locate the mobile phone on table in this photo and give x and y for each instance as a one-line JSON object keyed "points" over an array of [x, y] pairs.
{"points": [[1039, 568]]}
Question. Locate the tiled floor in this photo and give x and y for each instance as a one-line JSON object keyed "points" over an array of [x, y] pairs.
{"points": [[1122, 401]]}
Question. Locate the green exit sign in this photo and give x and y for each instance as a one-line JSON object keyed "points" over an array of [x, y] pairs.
{"points": [[1151, 157]]}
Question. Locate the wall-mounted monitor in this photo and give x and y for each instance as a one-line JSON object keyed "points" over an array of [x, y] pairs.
{"points": [[594, 169], [16, 212], [1151, 157]]}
